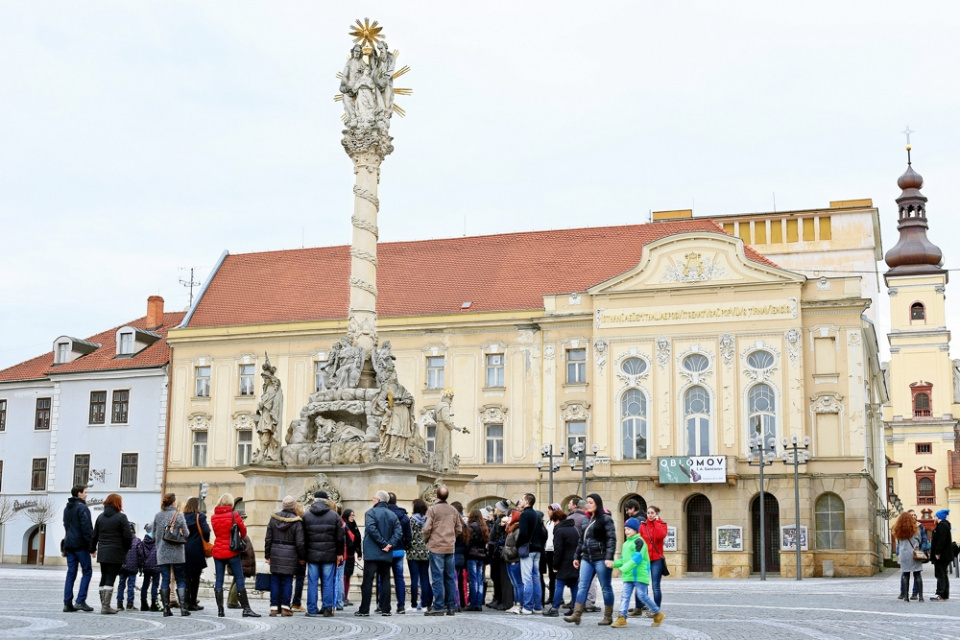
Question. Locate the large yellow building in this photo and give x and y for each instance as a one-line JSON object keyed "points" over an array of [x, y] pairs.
{"points": [[653, 343]]}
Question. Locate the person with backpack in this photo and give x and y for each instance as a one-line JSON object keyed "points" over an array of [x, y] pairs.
{"points": [[129, 570], [150, 570], [418, 559]]}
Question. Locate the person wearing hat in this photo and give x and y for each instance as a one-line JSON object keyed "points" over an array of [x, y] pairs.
{"points": [[941, 554], [323, 532], [129, 570], [634, 565], [284, 549]]}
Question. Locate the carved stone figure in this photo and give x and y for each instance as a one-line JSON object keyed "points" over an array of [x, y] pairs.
{"points": [[396, 430], [383, 360], [956, 380], [445, 427], [386, 64], [350, 75], [349, 364], [268, 416]]}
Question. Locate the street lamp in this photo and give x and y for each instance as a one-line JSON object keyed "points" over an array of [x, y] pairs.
{"points": [[762, 453], [796, 454], [546, 451], [587, 462]]}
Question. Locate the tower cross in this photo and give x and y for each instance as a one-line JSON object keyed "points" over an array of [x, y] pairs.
{"points": [[907, 133]]}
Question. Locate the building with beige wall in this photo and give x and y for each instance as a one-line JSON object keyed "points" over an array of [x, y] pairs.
{"points": [[648, 341]]}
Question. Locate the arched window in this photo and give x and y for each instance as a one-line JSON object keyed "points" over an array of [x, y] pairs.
{"points": [[925, 492], [831, 528], [917, 312], [760, 360], [922, 392], [633, 366], [696, 411], [696, 363], [763, 408], [633, 424]]}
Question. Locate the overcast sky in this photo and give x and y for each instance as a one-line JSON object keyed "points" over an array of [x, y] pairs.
{"points": [[139, 139]]}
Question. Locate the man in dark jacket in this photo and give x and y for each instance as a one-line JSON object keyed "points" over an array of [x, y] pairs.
{"points": [[941, 553], [76, 546], [381, 535], [323, 531], [399, 552], [284, 549], [530, 536]]}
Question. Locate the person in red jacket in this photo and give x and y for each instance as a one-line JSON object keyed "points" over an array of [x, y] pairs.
{"points": [[224, 517], [653, 532]]}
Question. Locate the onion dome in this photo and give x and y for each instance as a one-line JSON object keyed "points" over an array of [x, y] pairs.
{"points": [[913, 253]]}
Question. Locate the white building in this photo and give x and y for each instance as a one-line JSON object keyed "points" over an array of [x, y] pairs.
{"points": [[89, 412]]}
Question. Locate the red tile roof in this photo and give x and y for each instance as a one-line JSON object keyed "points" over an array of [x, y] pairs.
{"points": [[104, 358], [507, 272]]}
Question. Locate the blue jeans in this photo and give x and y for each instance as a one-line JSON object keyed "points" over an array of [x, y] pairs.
{"points": [[516, 581], [236, 567], [558, 592], [180, 574], [130, 581], [341, 594], [281, 588], [77, 560], [326, 573], [599, 569], [656, 573], [475, 577], [640, 590], [420, 584], [443, 579], [400, 584], [532, 595], [151, 582]]}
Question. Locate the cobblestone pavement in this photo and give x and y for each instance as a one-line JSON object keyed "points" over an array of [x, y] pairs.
{"points": [[832, 609]]}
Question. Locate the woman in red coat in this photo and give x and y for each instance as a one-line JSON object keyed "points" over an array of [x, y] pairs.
{"points": [[653, 531], [224, 517]]}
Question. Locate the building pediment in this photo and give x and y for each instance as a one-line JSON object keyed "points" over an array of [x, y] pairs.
{"points": [[692, 260]]}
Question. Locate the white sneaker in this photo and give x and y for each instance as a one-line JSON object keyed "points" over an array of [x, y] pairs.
{"points": [[514, 609], [526, 612]]}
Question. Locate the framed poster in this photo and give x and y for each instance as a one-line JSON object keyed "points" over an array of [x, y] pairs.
{"points": [[692, 469], [729, 538], [670, 542], [788, 538]]}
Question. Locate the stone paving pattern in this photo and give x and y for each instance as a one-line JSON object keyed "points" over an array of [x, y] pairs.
{"points": [[833, 609]]}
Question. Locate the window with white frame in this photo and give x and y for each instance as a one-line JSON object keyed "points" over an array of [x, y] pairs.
{"points": [[494, 444], [696, 412], [435, 372], [248, 373], [98, 407], [696, 363], [576, 432], [121, 406], [633, 425], [760, 360], [129, 468], [42, 422], [203, 381], [633, 366], [38, 477], [63, 352], [3, 415], [762, 410], [200, 448], [576, 366], [495, 370], [126, 343], [244, 446]]}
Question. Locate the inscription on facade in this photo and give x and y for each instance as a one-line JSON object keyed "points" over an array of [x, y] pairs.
{"points": [[616, 318]]}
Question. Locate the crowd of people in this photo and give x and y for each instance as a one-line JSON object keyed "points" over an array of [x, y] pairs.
{"points": [[533, 559]]}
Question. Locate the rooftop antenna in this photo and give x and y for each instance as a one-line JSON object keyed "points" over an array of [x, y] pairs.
{"points": [[191, 283]]}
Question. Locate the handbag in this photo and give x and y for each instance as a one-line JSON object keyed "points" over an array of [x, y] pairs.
{"points": [[262, 582], [523, 551], [174, 534], [207, 548], [237, 543], [919, 554]]}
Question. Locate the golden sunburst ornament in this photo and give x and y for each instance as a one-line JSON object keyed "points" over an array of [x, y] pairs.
{"points": [[367, 32]]}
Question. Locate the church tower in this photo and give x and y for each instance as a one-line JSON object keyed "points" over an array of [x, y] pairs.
{"points": [[921, 420]]}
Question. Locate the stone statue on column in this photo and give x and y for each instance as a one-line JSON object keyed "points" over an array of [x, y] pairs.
{"points": [[445, 427], [269, 415]]}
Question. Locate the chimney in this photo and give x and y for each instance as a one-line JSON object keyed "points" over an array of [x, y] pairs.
{"points": [[154, 312]]}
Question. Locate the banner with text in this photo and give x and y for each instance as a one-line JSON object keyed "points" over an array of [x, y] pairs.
{"points": [[693, 469]]}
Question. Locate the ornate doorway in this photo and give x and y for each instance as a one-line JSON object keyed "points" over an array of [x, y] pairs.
{"points": [[771, 534], [699, 534]]}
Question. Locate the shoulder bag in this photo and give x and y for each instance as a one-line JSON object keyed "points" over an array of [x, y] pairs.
{"points": [[237, 543], [919, 554], [174, 534]]}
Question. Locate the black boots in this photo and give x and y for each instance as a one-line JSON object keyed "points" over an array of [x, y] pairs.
{"points": [[218, 594], [182, 597], [165, 599], [247, 611]]}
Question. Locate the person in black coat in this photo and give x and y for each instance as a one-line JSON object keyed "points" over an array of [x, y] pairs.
{"points": [[400, 551], [78, 530], [566, 537], [323, 530], [595, 558], [941, 554], [196, 560], [354, 545], [111, 541], [284, 549]]}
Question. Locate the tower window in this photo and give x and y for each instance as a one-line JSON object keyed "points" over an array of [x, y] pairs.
{"points": [[917, 312], [922, 394]]}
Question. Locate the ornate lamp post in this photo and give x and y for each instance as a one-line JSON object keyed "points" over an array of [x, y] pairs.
{"points": [[796, 454], [587, 462], [762, 453], [553, 464]]}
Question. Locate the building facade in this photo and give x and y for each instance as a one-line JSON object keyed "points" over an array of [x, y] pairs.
{"points": [[650, 343], [90, 412]]}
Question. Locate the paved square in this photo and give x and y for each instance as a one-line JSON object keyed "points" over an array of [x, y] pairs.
{"points": [[834, 609]]}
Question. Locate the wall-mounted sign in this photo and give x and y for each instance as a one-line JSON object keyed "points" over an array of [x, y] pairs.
{"points": [[729, 538], [670, 542], [788, 538], [692, 469]]}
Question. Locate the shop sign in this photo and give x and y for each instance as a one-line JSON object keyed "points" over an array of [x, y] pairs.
{"points": [[692, 469]]}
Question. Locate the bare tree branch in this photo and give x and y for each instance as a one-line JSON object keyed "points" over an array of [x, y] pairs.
{"points": [[42, 513], [7, 514]]}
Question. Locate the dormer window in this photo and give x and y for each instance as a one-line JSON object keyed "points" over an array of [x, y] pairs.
{"points": [[131, 341], [917, 312], [67, 349], [126, 343], [63, 352]]}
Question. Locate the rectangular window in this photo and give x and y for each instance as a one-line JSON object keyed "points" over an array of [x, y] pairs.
{"points": [[121, 406], [3, 415], [924, 447], [826, 233], [81, 469], [435, 372], [576, 366], [126, 343], [38, 480], [808, 235], [248, 373], [431, 437], [203, 382], [495, 370], [244, 446], [129, 464], [199, 448], [43, 414], [825, 355], [793, 235], [98, 407], [319, 375], [494, 444], [576, 432], [63, 352]]}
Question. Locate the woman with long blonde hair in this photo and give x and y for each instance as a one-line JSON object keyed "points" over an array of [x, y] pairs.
{"points": [[906, 531]]}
